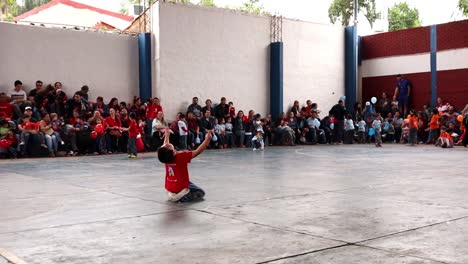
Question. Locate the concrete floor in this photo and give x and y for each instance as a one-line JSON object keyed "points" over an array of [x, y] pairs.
{"points": [[314, 204]]}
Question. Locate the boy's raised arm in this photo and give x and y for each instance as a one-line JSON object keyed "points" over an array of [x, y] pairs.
{"points": [[203, 145]]}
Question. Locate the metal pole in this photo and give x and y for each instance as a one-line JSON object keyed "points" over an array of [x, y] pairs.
{"points": [[356, 62]]}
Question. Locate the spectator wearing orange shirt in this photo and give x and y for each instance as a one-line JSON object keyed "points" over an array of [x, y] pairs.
{"points": [[445, 140], [433, 127], [413, 126]]}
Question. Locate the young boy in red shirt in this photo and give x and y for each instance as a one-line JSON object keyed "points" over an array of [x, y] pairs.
{"points": [[132, 129], [178, 185]]}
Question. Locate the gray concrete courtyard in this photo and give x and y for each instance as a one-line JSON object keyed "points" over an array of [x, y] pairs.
{"points": [[311, 204]]}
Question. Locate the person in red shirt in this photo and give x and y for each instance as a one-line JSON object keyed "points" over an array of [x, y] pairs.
{"points": [[8, 145], [6, 108], [132, 129], [413, 128], [178, 185], [113, 129]]}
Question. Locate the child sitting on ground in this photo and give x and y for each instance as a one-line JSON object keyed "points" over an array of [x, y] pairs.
{"points": [[445, 140], [178, 185]]}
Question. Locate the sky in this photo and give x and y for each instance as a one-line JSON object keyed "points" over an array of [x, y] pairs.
{"points": [[431, 11]]}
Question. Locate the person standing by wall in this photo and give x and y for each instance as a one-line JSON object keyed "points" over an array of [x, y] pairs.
{"points": [[338, 111], [402, 93]]}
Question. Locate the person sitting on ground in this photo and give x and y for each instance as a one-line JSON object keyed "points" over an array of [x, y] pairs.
{"points": [[158, 127], [6, 108], [232, 110], [195, 108], [239, 129], [220, 132], [230, 138], [27, 129], [45, 126], [206, 123], [445, 139], [296, 108], [101, 106], [207, 107], [316, 134], [178, 185], [388, 131], [222, 110], [454, 131], [8, 143]]}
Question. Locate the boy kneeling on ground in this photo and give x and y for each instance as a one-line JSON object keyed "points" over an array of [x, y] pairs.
{"points": [[178, 185]]}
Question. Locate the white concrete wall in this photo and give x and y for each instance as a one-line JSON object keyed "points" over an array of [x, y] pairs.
{"points": [[107, 63], [396, 64], [210, 53], [452, 59], [313, 64]]}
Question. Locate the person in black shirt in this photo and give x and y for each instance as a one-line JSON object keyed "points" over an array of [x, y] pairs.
{"points": [[338, 111]]}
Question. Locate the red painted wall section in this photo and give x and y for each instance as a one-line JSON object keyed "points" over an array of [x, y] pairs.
{"points": [[396, 43], [420, 93], [452, 86], [452, 35]]}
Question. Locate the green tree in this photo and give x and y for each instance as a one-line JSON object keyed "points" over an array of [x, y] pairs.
{"points": [[31, 4], [146, 3], [343, 10], [8, 9], [209, 3], [254, 7], [401, 16], [463, 6]]}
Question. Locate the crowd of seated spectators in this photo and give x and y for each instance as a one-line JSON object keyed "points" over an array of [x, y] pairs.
{"points": [[48, 122]]}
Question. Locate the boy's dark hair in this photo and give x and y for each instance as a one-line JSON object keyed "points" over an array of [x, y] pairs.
{"points": [[230, 103], [165, 155], [359, 119], [435, 111], [181, 115], [132, 115], [443, 128], [349, 116], [39, 81], [18, 82]]}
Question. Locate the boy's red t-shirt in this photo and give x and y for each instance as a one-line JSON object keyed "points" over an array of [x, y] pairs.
{"points": [[177, 176], [413, 121], [133, 129]]}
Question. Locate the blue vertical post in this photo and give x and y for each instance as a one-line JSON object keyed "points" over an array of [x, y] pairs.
{"points": [[276, 79], [350, 66], [434, 65], [144, 56]]}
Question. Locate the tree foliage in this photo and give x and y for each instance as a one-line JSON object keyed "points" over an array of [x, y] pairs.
{"points": [[209, 3], [343, 10], [463, 6], [401, 16], [254, 7]]}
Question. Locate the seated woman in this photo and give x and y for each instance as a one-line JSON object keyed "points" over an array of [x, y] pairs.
{"points": [[51, 138], [113, 131], [284, 134], [157, 131]]}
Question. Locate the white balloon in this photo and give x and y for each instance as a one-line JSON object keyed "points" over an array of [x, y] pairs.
{"points": [[373, 100]]}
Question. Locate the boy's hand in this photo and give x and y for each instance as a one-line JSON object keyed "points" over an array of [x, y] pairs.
{"points": [[209, 135], [167, 132]]}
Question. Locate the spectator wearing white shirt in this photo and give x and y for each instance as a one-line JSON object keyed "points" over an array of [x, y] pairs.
{"points": [[316, 135]]}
